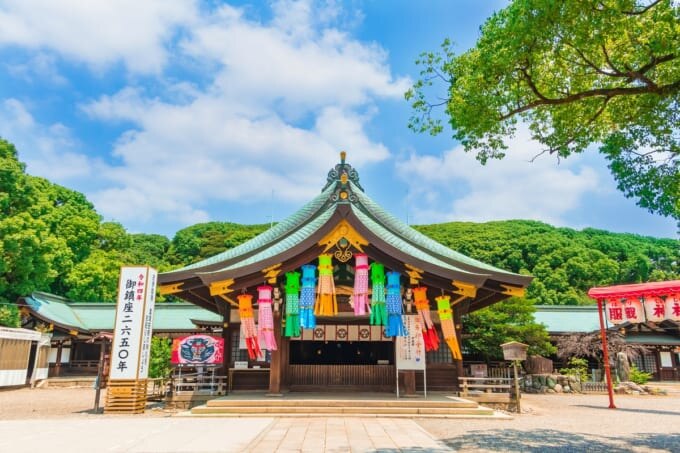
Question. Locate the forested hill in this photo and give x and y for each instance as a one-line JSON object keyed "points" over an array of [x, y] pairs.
{"points": [[565, 262], [52, 239]]}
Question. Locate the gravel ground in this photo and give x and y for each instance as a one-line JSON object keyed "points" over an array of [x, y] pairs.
{"points": [[555, 423], [38, 403], [571, 423]]}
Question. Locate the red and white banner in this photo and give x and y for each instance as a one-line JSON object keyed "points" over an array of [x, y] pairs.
{"points": [[198, 350], [633, 310]]}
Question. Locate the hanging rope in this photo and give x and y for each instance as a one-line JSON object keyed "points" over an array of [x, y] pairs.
{"points": [[395, 324], [430, 336], [307, 318], [245, 311], [326, 302], [448, 329]]}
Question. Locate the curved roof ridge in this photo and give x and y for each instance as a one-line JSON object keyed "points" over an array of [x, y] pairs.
{"points": [[417, 238], [405, 246], [282, 228], [281, 246]]}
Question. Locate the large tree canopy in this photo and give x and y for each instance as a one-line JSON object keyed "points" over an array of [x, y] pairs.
{"points": [[580, 73]]}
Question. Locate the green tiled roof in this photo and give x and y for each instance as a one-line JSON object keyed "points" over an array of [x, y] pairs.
{"points": [[95, 317], [399, 228], [402, 245], [568, 319], [284, 244], [272, 235]]}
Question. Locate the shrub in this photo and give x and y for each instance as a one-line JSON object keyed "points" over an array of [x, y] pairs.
{"points": [[638, 376], [576, 367], [159, 362]]}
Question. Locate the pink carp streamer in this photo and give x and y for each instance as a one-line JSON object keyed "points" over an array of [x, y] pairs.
{"points": [[265, 325], [360, 296]]}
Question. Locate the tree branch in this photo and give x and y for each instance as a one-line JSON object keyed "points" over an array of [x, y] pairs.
{"points": [[643, 10], [662, 90]]}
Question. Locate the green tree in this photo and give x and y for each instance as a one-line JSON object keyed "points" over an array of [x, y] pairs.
{"points": [[9, 314], [159, 361], [204, 240], [577, 73], [45, 229], [512, 320]]}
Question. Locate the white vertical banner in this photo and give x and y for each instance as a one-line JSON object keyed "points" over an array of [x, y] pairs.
{"points": [[147, 326], [134, 323], [410, 350]]}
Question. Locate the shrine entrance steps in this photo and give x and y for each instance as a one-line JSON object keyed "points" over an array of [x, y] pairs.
{"points": [[343, 405]]}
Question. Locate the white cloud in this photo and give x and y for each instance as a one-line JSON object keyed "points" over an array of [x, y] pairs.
{"points": [[286, 97], [455, 186], [48, 150], [97, 32]]}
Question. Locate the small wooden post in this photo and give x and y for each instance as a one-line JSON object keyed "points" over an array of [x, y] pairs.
{"points": [[517, 394], [100, 374]]}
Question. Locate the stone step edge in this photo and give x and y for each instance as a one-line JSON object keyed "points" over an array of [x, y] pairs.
{"points": [[494, 416], [339, 403]]}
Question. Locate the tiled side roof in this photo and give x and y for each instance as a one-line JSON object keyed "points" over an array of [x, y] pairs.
{"points": [[272, 235], [95, 317], [567, 319]]}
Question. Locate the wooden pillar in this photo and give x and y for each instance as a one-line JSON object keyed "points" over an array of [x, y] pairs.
{"points": [[458, 324], [57, 366], [226, 336], [276, 364]]}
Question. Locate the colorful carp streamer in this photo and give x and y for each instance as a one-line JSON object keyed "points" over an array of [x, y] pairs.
{"points": [[395, 324], [292, 304], [265, 324], [245, 311], [326, 302], [378, 310], [307, 318], [360, 296], [423, 307], [446, 320]]}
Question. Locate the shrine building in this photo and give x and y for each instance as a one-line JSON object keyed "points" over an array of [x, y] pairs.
{"points": [[317, 301]]}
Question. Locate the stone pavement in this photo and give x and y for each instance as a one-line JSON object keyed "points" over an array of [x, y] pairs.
{"points": [[179, 435], [345, 435]]}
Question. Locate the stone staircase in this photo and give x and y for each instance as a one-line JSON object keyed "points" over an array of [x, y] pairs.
{"points": [[301, 406]]}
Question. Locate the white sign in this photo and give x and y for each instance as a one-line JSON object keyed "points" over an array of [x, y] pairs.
{"points": [[134, 323], [410, 350]]}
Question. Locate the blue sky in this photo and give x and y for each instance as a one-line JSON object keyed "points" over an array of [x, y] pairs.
{"points": [[167, 113]]}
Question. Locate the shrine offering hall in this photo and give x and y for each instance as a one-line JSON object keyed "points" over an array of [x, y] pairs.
{"points": [[318, 301]]}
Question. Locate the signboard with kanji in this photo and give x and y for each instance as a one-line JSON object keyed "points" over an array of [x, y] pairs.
{"points": [[134, 323], [410, 350], [634, 310]]}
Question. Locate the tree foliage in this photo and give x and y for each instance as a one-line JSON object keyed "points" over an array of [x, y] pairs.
{"points": [[512, 320], [160, 355], [204, 240], [577, 73], [565, 262]]}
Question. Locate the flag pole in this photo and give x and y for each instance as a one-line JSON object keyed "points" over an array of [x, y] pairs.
{"points": [[605, 353]]}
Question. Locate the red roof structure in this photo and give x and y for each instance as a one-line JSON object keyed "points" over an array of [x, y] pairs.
{"points": [[636, 290]]}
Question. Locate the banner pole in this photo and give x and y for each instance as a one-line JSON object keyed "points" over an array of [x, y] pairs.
{"points": [[605, 353]]}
